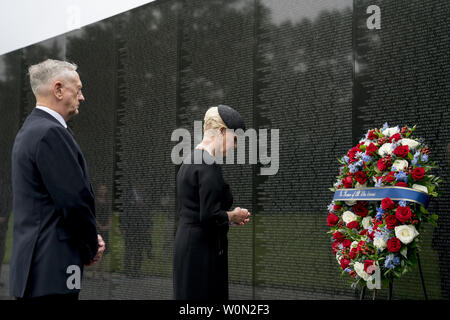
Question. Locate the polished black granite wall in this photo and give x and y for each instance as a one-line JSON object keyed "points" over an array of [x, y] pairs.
{"points": [[309, 68]]}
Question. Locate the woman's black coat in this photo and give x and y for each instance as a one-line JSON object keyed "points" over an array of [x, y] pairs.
{"points": [[200, 270]]}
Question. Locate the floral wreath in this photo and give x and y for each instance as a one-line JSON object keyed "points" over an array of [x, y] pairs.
{"points": [[383, 234]]}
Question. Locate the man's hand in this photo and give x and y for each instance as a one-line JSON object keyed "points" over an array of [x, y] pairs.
{"points": [[99, 255]]}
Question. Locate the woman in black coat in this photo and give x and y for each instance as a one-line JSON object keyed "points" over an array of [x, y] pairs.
{"points": [[200, 269]]}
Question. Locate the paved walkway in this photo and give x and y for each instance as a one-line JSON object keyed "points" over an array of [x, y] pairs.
{"points": [[117, 286]]}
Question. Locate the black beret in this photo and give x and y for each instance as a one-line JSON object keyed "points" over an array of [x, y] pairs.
{"points": [[231, 117]]}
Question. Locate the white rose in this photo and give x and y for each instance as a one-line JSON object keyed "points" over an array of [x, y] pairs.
{"points": [[348, 216], [420, 188], [354, 244], [400, 164], [385, 149], [366, 222], [391, 131], [412, 144], [379, 243], [350, 202], [359, 269], [367, 143], [406, 233], [338, 257]]}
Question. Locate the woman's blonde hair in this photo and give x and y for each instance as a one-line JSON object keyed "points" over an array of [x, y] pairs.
{"points": [[213, 120]]}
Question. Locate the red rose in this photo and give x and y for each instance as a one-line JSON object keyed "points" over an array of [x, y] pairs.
{"points": [[390, 177], [418, 173], [391, 222], [387, 204], [371, 149], [337, 207], [395, 137], [372, 135], [376, 224], [352, 152], [334, 246], [394, 244], [361, 246], [344, 263], [403, 213], [360, 209], [347, 243], [332, 219], [347, 182], [353, 253], [339, 237], [353, 225], [383, 164], [401, 151], [361, 177], [401, 184], [367, 264]]}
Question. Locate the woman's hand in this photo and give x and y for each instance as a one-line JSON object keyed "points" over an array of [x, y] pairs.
{"points": [[239, 216]]}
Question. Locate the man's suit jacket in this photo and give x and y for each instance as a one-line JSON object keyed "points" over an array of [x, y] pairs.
{"points": [[54, 209]]}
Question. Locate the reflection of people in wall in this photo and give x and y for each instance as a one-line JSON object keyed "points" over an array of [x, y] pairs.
{"points": [[5, 211], [104, 220], [54, 231], [441, 235], [200, 269], [135, 223]]}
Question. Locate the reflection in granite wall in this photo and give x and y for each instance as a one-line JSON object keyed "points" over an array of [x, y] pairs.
{"points": [[305, 71], [309, 68], [217, 67], [10, 84], [402, 76], [94, 131]]}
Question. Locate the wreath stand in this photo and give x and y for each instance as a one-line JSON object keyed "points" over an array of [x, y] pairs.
{"points": [[424, 290]]}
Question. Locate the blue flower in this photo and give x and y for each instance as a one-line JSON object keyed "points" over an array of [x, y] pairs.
{"points": [[396, 260], [401, 176], [359, 154], [385, 126], [331, 206], [392, 261], [366, 158], [402, 203], [424, 157], [353, 167], [345, 159], [380, 212], [378, 183]]}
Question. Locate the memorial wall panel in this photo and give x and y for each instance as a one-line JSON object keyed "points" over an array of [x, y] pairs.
{"points": [[310, 69], [402, 76]]}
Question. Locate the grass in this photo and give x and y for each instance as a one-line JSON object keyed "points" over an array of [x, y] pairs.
{"points": [[288, 250]]}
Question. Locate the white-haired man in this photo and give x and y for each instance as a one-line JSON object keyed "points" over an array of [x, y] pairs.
{"points": [[54, 230]]}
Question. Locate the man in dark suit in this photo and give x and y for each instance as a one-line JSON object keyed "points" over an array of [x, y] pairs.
{"points": [[54, 229]]}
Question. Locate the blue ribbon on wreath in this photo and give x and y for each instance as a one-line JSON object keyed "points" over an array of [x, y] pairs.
{"points": [[378, 194]]}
